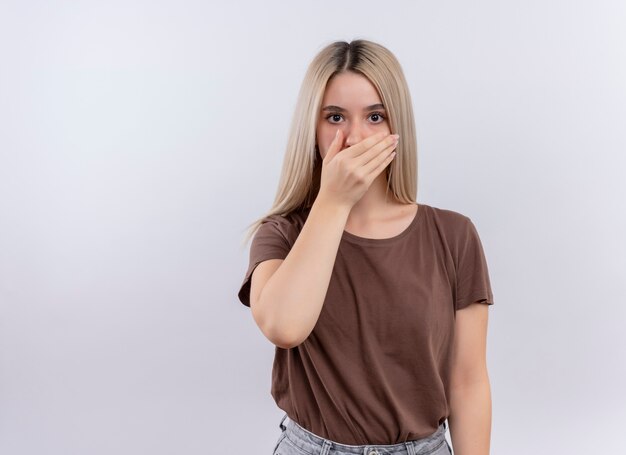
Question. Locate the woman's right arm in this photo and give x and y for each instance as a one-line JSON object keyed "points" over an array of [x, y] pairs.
{"points": [[290, 300]]}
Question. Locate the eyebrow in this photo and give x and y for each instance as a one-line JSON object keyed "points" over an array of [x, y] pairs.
{"points": [[341, 109]]}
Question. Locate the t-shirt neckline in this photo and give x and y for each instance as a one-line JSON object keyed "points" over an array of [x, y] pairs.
{"points": [[369, 241]]}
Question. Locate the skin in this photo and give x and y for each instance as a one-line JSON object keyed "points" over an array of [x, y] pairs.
{"points": [[470, 389], [375, 215]]}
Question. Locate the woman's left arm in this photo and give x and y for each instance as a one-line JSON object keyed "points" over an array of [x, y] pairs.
{"points": [[470, 392]]}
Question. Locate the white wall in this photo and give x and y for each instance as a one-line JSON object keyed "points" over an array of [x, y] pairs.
{"points": [[138, 139]]}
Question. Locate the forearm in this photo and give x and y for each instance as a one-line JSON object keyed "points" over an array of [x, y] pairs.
{"points": [[470, 418], [293, 297]]}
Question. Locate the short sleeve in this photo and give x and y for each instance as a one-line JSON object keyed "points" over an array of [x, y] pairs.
{"points": [[472, 282], [271, 241]]}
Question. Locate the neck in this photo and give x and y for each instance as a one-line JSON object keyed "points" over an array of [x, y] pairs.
{"points": [[375, 203]]}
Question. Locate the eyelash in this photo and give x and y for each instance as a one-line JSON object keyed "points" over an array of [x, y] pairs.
{"points": [[384, 117]]}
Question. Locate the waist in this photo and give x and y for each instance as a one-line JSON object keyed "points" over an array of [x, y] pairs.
{"points": [[309, 442]]}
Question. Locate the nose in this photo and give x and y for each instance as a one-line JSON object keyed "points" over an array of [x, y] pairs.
{"points": [[354, 134]]}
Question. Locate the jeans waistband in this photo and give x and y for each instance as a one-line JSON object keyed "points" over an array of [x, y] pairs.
{"points": [[312, 443]]}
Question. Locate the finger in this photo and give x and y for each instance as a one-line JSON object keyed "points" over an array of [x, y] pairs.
{"points": [[334, 146], [375, 166], [365, 145], [381, 148]]}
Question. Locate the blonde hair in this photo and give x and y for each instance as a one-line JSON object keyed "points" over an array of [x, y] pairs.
{"points": [[301, 171]]}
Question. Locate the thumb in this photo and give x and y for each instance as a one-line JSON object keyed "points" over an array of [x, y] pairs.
{"points": [[334, 147]]}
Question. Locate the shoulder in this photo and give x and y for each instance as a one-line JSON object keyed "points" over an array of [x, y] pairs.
{"points": [[454, 228], [450, 220], [287, 224], [294, 218]]}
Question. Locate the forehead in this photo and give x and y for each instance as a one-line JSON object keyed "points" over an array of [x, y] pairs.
{"points": [[351, 91]]}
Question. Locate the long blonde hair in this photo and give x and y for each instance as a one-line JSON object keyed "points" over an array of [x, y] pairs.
{"points": [[301, 171]]}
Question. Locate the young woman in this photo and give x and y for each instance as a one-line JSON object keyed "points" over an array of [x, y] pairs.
{"points": [[377, 305]]}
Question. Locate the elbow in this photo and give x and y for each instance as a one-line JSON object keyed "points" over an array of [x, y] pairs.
{"points": [[282, 345], [470, 380], [283, 339], [275, 332]]}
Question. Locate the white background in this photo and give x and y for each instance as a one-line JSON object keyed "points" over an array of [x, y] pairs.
{"points": [[139, 138]]}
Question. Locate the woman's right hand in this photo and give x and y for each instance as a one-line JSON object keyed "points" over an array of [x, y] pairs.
{"points": [[347, 174]]}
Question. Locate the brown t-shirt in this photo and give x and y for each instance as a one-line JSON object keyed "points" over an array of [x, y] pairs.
{"points": [[376, 367]]}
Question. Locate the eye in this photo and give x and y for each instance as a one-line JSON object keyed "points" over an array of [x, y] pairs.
{"points": [[332, 115], [378, 114]]}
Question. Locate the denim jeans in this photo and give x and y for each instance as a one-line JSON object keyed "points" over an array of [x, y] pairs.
{"points": [[295, 440]]}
